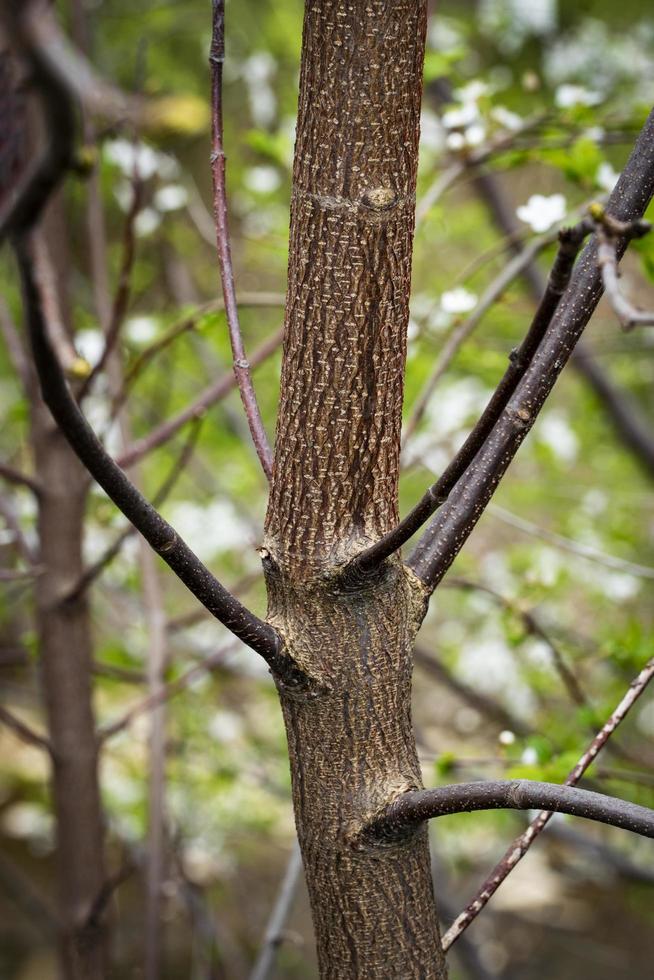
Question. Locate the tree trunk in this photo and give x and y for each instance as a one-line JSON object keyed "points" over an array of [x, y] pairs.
{"points": [[65, 659], [65, 649], [334, 488]]}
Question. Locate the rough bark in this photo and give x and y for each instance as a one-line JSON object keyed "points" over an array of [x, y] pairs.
{"points": [[334, 489]]}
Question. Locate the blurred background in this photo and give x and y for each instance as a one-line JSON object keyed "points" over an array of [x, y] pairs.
{"points": [[530, 110]]}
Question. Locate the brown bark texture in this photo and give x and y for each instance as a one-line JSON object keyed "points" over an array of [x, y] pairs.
{"points": [[334, 489], [65, 656]]}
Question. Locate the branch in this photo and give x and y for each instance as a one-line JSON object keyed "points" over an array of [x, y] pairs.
{"points": [[609, 233], [241, 364], [157, 531], [90, 574], [570, 240], [23, 731], [205, 400], [57, 157], [461, 333], [414, 807], [577, 548], [629, 423], [281, 910], [164, 693], [521, 844], [448, 532], [12, 475]]}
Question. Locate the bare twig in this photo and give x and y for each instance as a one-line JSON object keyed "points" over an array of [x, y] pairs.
{"points": [[23, 731], [165, 693], [449, 530], [609, 232], [122, 293], [241, 364], [12, 475], [521, 844], [203, 402], [570, 545], [17, 353], [274, 935], [520, 361]]}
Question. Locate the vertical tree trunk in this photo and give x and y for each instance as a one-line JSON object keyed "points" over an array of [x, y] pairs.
{"points": [[65, 658], [334, 487], [65, 651]]}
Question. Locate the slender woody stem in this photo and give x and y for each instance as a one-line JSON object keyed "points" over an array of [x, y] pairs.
{"points": [[274, 937], [212, 394], [241, 364], [570, 240], [609, 232], [23, 731], [519, 847], [413, 808], [158, 532], [450, 529]]}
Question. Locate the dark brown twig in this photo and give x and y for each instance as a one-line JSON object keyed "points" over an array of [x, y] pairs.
{"points": [[418, 805], [570, 240], [241, 364], [449, 530]]}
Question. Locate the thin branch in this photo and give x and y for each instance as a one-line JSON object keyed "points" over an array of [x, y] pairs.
{"points": [[570, 240], [165, 693], [533, 628], [450, 529], [23, 731], [241, 364], [123, 287], [46, 278], [189, 322], [460, 334], [90, 574], [274, 935], [23, 547], [212, 394], [158, 532], [577, 548], [19, 479], [416, 806], [521, 844], [486, 706], [609, 233], [628, 421]]}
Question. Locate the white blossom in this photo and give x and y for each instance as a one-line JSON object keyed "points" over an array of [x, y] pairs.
{"points": [[172, 197], [147, 221], [262, 180], [541, 212], [555, 431], [141, 329], [568, 95], [606, 177], [458, 300], [507, 119], [460, 116]]}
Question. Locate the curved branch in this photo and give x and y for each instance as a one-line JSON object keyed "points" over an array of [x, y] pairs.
{"points": [[241, 364], [157, 531], [450, 529], [629, 423], [414, 807]]}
